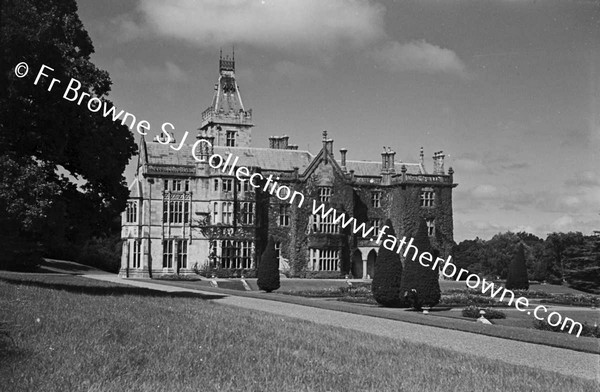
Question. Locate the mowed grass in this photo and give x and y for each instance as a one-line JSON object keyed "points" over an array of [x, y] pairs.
{"points": [[76, 334]]}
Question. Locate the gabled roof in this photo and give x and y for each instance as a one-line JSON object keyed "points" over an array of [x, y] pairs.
{"points": [[265, 158], [135, 189], [373, 168], [268, 158]]}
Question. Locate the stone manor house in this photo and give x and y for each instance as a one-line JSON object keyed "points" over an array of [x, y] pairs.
{"points": [[183, 216]]}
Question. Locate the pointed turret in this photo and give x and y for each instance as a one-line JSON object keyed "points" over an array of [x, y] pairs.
{"points": [[226, 119]]}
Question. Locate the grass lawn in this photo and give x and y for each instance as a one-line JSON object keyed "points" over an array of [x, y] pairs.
{"points": [[76, 334]]}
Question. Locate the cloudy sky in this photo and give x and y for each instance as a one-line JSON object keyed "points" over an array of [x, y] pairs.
{"points": [[509, 89]]}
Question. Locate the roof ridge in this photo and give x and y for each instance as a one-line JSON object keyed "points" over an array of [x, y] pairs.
{"points": [[378, 162]]}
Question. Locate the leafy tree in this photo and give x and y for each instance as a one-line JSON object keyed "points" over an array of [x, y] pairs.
{"points": [[469, 255], [500, 250], [388, 274], [517, 273], [268, 269], [77, 157], [421, 284], [558, 248]]}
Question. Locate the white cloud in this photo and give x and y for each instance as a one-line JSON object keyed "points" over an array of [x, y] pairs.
{"points": [[169, 72], [294, 27], [289, 24], [418, 56]]}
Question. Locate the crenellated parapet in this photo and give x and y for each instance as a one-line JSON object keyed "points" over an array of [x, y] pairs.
{"points": [[220, 116]]}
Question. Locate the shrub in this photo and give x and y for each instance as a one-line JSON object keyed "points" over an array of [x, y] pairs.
{"points": [[102, 252], [517, 272], [224, 273], [176, 277], [320, 274], [473, 312], [420, 285], [573, 299], [268, 269], [388, 275], [470, 299], [19, 254], [586, 330]]}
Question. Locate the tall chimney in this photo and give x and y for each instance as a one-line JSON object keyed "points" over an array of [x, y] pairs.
{"points": [[391, 163], [438, 162], [384, 160], [343, 152]]}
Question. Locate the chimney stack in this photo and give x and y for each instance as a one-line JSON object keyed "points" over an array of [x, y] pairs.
{"points": [[343, 152], [438, 162]]}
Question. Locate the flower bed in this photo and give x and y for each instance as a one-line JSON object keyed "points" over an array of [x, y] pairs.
{"points": [[474, 312], [587, 330], [574, 300]]}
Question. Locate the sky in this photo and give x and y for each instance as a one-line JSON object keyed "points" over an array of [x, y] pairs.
{"points": [[508, 89]]}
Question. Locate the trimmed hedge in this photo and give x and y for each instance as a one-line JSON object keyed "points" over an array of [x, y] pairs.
{"points": [[268, 269], [586, 330], [470, 299], [517, 272], [320, 275], [420, 285], [573, 299], [227, 273], [388, 275], [473, 312]]}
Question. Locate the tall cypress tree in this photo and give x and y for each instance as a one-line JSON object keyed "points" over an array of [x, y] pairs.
{"points": [[268, 269], [517, 272], [388, 274], [420, 285]]}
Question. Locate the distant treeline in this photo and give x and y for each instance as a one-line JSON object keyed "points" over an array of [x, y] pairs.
{"points": [[571, 258]]}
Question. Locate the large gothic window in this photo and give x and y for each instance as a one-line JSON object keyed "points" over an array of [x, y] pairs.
{"points": [[324, 259], [131, 212]]}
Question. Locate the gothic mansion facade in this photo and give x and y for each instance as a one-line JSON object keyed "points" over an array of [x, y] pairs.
{"points": [[183, 215]]}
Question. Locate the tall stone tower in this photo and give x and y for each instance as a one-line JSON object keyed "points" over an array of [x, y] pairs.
{"points": [[226, 121]]}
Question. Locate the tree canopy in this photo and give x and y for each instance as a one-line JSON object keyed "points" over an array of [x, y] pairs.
{"points": [[570, 257], [517, 274], [62, 165]]}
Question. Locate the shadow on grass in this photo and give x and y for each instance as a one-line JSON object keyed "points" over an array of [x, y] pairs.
{"points": [[67, 266], [94, 289]]}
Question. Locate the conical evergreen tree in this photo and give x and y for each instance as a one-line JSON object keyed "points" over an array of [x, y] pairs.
{"points": [[420, 285], [517, 272], [268, 269], [388, 273]]}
